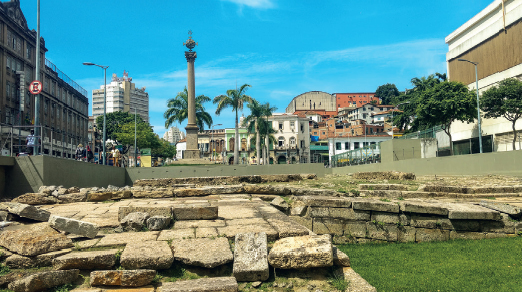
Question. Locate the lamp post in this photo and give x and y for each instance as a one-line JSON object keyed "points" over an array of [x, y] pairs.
{"points": [[478, 105], [135, 131], [104, 105], [213, 142]]}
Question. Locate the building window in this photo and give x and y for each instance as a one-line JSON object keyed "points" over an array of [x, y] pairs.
{"points": [[356, 145], [338, 146], [281, 142], [347, 145], [302, 144], [302, 128], [28, 52], [280, 125], [292, 124]]}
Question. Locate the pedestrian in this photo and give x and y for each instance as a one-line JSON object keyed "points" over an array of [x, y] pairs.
{"points": [[79, 152], [30, 142], [115, 155], [90, 155]]}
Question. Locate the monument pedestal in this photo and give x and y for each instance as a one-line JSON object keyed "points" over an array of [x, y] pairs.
{"points": [[192, 151]]}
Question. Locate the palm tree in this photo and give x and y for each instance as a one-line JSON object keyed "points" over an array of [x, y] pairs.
{"points": [[267, 112], [252, 122], [234, 98], [177, 110]]}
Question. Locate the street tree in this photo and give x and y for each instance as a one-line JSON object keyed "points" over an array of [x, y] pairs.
{"points": [[115, 121], [177, 110], [164, 150], [387, 93], [267, 130], [253, 122], [504, 100], [235, 98]]}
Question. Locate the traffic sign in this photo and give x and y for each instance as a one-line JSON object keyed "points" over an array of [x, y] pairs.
{"points": [[35, 87]]}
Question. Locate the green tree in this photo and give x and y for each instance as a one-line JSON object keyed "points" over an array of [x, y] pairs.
{"points": [[145, 136], [504, 100], [177, 110], [445, 103], [387, 93], [165, 150], [235, 98], [115, 121], [267, 130], [252, 122]]}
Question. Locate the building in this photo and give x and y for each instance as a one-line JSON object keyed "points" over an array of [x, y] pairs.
{"points": [[122, 95], [321, 103], [173, 135], [358, 99], [364, 112], [492, 39], [63, 104], [292, 138]]}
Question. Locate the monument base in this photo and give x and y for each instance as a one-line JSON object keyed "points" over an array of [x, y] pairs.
{"points": [[192, 154]]}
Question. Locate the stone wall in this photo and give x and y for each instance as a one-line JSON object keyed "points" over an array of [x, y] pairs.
{"points": [[359, 220]]}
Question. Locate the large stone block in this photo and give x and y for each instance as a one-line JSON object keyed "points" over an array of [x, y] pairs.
{"points": [[340, 258], [349, 214], [176, 234], [471, 212], [286, 227], [231, 231], [406, 234], [432, 222], [154, 255], [356, 282], [304, 252], [306, 222], [44, 280], [501, 207], [424, 235], [43, 260], [221, 284], [125, 278], [37, 239], [466, 235], [382, 232], [251, 257], [26, 211], [119, 239], [373, 205], [203, 252], [194, 212], [328, 226], [134, 221], [123, 211], [355, 229], [423, 208], [74, 226], [158, 222], [325, 201], [385, 217], [87, 260]]}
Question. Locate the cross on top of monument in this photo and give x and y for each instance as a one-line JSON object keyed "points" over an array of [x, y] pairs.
{"points": [[190, 43]]}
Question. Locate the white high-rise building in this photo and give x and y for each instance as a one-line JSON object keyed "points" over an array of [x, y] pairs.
{"points": [[122, 95], [173, 135]]}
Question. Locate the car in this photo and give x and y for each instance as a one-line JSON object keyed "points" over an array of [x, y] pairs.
{"points": [[22, 154]]}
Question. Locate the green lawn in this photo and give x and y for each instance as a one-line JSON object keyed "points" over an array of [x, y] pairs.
{"points": [[459, 265]]}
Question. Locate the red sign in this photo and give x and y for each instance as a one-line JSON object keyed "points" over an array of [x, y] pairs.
{"points": [[35, 87]]}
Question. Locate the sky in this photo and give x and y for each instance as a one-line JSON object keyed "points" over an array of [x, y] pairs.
{"points": [[282, 48]]}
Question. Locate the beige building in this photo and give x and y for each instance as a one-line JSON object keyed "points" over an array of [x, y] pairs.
{"points": [[122, 95], [173, 135], [317, 101], [292, 138], [492, 38]]}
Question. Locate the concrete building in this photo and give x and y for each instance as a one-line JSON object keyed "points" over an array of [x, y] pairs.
{"points": [[122, 95], [292, 138], [356, 99], [63, 105], [321, 103], [492, 39], [364, 112], [173, 135]]}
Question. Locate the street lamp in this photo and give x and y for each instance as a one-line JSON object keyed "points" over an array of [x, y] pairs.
{"points": [[478, 105], [213, 142], [135, 125], [104, 104], [397, 106]]}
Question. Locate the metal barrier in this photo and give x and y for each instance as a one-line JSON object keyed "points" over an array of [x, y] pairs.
{"points": [[365, 155]]}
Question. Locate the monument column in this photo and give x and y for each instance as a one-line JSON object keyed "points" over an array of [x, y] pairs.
{"points": [[192, 129]]}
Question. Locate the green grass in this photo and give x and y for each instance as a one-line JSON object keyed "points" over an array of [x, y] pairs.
{"points": [[175, 273], [457, 265]]}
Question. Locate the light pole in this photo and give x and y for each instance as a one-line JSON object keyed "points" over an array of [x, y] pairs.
{"points": [[213, 142], [135, 131], [104, 104], [478, 105]]}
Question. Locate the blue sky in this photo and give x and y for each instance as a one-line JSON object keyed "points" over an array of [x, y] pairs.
{"points": [[282, 48]]}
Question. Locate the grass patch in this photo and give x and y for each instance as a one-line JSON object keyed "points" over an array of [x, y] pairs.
{"points": [[175, 273], [337, 280], [4, 270], [62, 288], [457, 265]]}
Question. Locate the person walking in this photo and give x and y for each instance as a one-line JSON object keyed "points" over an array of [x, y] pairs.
{"points": [[90, 155], [116, 156], [30, 143], [80, 152]]}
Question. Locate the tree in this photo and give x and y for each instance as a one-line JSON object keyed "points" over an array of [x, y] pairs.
{"points": [[177, 110], [234, 98], [504, 100], [145, 136], [164, 150], [252, 122], [267, 112], [444, 103], [115, 121], [386, 93]]}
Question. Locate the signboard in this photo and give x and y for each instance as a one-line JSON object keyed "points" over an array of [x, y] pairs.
{"points": [[35, 87]]}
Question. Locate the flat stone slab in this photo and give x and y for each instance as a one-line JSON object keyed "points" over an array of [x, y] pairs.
{"points": [[324, 201], [251, 257], [86, 260], [34, 240], [177, 234], [238, 212], [381, 187], [118, 239], [356, 282], [286, 227], [340, 258], [73, 226], [231, 231], [471, 212], [203, 252], [194, 212], [221, 284], [26, 211], [43, 260], [373, 205], [504, 208], [155, 255], [303, 252], [125, 278], [151, 210], [198, 223], [44, 280], [423, 208]]}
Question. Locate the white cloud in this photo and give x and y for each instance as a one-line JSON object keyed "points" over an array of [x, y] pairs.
{"points": [[258, 4]]}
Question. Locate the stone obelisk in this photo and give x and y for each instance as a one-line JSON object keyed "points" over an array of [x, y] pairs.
{"points": [[192, 129]]}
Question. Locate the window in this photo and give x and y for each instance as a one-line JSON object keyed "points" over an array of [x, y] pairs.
{"points": [[347, 145], [302, 128], [302, 144], [292, 124], [356, 145], [338, 146], [281, 142], [8, 90], [280, 125], [292, 141], [315, 133], [28, 52], [324, 133]]}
